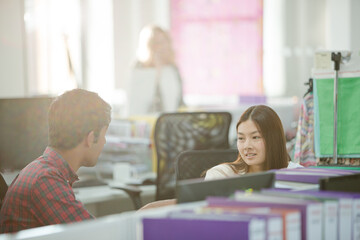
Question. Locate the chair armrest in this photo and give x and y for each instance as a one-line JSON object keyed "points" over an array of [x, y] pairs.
{"points": [[133, 192]]}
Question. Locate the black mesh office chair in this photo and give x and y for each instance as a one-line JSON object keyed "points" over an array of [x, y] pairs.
{"points": [[194, 163], [3, 189], [177, 132]]}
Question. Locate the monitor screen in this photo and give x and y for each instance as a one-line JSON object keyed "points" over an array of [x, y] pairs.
{"points": [[198, 189], [24, 131]]}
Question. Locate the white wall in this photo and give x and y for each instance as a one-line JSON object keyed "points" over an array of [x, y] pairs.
{"points": [[343, 20], [304, 34], [12, 75], [355, 28], [338, 25]]}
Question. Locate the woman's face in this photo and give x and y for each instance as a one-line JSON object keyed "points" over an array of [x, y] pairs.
{"points": [[251, 146], [161, 44]]}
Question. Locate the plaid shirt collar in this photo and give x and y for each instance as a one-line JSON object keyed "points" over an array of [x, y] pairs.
{"points": [[59, 162]]}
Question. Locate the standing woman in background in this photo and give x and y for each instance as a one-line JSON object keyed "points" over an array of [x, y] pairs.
{"points": [[155, 84], [261, 143]]}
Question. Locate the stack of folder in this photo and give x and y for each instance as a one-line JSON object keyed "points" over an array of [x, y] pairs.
{"points": [[268, 214], [274, 213], [307, 178], [340, 212]]}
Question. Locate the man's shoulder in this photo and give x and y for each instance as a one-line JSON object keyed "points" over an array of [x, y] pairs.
{"points": [[30, 179], [38, 169], [41, 164]]}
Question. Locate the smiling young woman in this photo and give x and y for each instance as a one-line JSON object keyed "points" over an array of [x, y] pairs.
{"points": [[261, 143]]}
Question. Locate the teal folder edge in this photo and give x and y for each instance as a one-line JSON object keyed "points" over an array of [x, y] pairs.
{"points": [[316, 121], [357, 168]]}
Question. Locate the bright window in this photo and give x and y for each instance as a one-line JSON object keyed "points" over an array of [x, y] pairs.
{"points": [[53, 52]]}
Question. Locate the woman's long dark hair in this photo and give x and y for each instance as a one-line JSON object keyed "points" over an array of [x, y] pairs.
{"points": [[270, 127]]}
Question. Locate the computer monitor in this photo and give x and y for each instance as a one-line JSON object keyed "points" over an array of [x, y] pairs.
{"points": [[24, 130], [346, 183], [198, 189]]}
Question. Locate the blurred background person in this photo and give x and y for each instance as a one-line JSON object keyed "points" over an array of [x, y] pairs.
{"points": [[155, 85]]}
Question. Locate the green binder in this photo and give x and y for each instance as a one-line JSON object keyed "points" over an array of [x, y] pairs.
{"points": [[348, 128]]}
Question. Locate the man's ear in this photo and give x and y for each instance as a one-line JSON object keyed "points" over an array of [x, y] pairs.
{"points": [[90, 139]]}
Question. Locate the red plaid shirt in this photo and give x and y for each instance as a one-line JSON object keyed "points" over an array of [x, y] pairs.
{"points": [[42, 195]]}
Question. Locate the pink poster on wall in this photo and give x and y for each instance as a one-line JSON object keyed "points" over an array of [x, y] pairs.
{"points": [[218, 45]]}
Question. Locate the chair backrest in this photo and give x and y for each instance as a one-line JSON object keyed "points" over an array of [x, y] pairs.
{"points": [[194, 163], [3, 189], [177, 132]]}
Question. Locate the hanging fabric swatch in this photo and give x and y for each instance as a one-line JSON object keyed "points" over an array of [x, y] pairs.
{"points": [[348, 116]]}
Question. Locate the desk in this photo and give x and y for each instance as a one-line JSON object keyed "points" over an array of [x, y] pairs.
{"points": [[104, 200]]}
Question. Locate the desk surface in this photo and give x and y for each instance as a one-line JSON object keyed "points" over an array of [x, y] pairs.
{"points": [[105, 193], [105, 200]]}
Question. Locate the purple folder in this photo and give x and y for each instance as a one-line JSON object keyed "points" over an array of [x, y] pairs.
{"points": [[344, 232], [274, 219], [180, 229], [334, 194], [329, 171], [308, 175], [302, 207], [355, 212], [298, 178]]}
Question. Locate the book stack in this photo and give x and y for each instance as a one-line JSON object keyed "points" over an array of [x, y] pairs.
{"points": [[340, 213], [268, 214], [307, 178], [286, 212]]}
